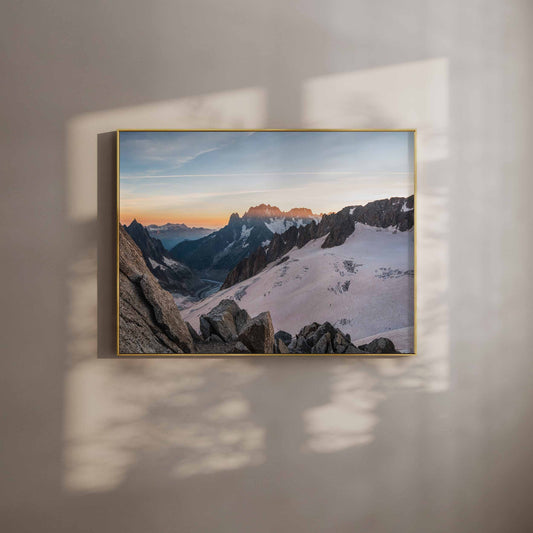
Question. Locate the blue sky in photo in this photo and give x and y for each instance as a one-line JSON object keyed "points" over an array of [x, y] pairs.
{"points": [[200, 178]]}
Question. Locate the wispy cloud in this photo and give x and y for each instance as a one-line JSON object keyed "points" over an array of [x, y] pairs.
{"points": [[207, 174], [266, 174]]}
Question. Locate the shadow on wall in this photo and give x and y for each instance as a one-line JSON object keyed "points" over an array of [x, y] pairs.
{"points": [[151, 423]]}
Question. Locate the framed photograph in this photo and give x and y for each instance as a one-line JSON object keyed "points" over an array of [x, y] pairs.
{"points": [[266, 242]]}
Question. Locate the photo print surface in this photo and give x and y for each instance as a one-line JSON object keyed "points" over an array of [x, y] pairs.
{"points": [[266, 242]]}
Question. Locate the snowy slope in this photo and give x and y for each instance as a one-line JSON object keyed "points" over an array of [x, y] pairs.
{"points": [[364, 287]]}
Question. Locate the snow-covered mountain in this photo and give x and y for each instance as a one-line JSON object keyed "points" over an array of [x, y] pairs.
{"points": [[364, 286], [394, 212], [171, 234], [216, 254]]}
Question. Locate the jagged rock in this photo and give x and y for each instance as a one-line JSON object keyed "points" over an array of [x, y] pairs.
{"points": [[240, 348], [284, 336], [316, 335], [242, 239], [194, 335], [340, 232], [246, 268], [353, 349], [205, 327], [258, 334], [381, 345], [309, 329], [281, 346], [323, 344], [241, 318], [225, 320], [302, 346], [150, 321], [341, 342], [171, 274], [213, 338], [149, 246], [396, 212]]}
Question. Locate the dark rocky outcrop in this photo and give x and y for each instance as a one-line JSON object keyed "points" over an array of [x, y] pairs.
{"points": [[226, 320], [172, 275], [150, 247], [218, 253], [246, 268], [337, 227], [231, 328], [258, 334], [149, 320], [381, 345], [240, 348], [326, 339], [284, 336]]}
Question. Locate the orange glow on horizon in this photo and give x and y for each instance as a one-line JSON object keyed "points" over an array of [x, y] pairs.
{"points": [[198, 221]]}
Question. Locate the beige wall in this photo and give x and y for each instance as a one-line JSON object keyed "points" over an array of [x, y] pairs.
{"points": [[438, 443]]}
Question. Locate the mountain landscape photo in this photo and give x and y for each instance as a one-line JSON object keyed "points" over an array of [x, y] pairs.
{"points": [[266, 243]]}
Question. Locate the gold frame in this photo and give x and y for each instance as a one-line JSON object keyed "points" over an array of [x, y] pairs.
{"points": [[216, 355]]}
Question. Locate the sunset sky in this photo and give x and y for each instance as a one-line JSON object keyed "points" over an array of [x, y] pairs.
{"points": [[200, 178]]}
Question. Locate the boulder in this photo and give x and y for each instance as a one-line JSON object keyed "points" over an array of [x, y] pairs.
{"points": [[258, 334], [340, 342], [381, 346], [302, 346], [323, 344], [205, 327], [284, 336], [240, 348], [306, 331], [282, 347], [353, 349], [225, 320], [326, 327], [195, 337]]}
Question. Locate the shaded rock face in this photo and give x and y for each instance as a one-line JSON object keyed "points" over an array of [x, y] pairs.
{"points": [[226, 320], [215, 255], [172, 275], [150, 247], [218, 253], [325, 339], [149, 320], [258, 334], [246, 268], [396, 212], [231, 330], [381, 345]]}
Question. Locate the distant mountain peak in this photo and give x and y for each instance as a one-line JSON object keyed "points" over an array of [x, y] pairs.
{"points": [[234, 219], [272, 211]]}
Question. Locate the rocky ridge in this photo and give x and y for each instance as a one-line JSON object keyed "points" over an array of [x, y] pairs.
{"points": [[172, 275], [337, 227], [217, 254], [149, 320]]}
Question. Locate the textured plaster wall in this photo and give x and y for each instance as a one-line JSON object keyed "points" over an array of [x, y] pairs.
{"points": [[438, 443]]}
